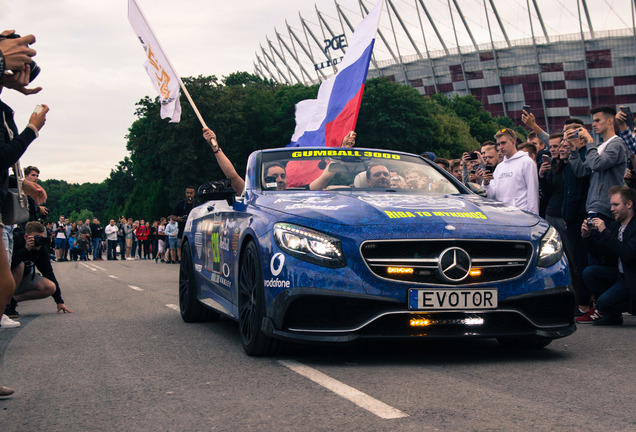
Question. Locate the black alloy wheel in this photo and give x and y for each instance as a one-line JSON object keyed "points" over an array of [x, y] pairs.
{"points": [[251, 304]]}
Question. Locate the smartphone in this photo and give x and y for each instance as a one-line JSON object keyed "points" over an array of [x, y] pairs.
{"points": [[526, 108], [474, 156], [489, 169], [575, 134], [630, 117], [545, 158], [38, 109]]}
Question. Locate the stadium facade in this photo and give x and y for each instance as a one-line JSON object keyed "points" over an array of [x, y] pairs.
{"points": [[558, 75]]}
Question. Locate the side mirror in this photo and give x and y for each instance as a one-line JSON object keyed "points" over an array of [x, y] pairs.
{"points": [[476, 188], [217, 190]]}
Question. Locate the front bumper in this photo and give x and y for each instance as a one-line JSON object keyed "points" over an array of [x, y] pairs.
{"points": [[312, 315]]}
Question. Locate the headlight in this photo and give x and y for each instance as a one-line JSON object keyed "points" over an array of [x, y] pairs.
{"points": [[309, 245], [550, 249]]}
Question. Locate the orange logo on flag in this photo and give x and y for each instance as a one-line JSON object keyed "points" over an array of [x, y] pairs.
{"points": [[163, 79]]}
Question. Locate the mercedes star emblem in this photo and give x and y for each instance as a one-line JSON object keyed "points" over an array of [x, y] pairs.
{"points": [[454, 264]]}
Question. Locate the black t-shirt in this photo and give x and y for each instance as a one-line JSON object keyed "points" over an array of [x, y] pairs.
{"points": [[182, 209], [97, 231]]}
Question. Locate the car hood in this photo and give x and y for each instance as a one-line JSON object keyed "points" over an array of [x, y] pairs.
{"points": [[372, 208]]}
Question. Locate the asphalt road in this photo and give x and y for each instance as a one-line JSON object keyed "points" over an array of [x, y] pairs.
{"points": [[126, 361]]}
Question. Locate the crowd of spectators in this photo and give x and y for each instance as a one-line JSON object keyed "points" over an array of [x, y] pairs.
{"points": [[584, 187], [126, 239]]}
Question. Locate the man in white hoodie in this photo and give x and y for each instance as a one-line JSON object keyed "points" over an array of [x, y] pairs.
{"points": [[515, 180]]}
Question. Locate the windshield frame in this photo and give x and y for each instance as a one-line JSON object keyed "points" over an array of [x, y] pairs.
{"points": [[363, 156]]}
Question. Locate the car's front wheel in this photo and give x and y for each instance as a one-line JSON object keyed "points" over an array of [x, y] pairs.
{"points": [[190, 307], [526, 342], [251, 304]]}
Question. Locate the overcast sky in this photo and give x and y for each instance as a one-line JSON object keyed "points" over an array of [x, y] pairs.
{"points": [[92, 68], [92, 63]]}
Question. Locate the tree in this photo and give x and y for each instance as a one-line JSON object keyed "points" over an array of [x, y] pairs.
{"points": [[397, 117]]}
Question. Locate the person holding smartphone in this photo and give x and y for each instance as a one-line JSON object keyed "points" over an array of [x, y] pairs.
{"points": [[604, 163], [623, 116]]}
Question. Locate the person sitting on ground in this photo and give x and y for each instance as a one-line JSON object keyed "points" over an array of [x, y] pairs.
{"points": [[615, 290], [31, 253]]}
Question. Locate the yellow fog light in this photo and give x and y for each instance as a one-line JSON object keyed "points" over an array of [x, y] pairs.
{"points": [[419, 322], [399, 270]]}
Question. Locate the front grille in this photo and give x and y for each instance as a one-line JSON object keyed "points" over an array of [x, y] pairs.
{"points": [[496, 260]]}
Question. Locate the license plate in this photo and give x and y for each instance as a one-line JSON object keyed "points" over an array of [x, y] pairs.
{"points": [[452, 299]]}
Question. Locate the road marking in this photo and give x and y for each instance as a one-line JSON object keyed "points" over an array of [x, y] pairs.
{"points": [[113, 276], [173, 306], [136, 288], [101, 268], [89, 267], [363, 400]]}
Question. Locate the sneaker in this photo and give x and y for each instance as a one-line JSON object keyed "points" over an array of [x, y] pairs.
{"points": [[10, 310], [5, 391], [609, 320], [6, 322], [589, 317]]}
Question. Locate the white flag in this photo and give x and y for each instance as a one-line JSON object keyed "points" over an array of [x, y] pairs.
{"points": [[157, 65]]}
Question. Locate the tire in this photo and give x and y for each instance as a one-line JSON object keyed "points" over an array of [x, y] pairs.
{"points": [[189, 306], [526, 342], [251, 305]]}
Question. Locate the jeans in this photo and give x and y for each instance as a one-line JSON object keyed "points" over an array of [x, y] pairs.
{"points": [[112, 249], [615, 300], [7, 233], [122, 247], [97, 248], [134, 249], [609, 287]]}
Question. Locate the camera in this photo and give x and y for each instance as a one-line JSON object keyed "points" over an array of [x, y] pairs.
{"points": [[40, 240], [35, 69], [590, 222]]}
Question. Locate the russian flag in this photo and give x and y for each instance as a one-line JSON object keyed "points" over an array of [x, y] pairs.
{"points": [[326, 120]]}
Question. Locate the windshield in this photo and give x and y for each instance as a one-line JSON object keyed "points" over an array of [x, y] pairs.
{"points": [[348, 169]]}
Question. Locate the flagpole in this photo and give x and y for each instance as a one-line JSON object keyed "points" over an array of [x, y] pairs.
{"points": [[185, 91]]}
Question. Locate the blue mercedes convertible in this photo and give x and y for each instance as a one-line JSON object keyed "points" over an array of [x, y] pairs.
{"points": [[336, 245]]}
